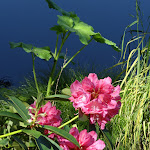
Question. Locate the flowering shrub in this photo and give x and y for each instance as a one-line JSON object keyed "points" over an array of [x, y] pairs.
{"points": [[47, 115], [97, 98], [87, 141]]}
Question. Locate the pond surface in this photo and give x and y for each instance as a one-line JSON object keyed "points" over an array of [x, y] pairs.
{"points": [[29, 22]]}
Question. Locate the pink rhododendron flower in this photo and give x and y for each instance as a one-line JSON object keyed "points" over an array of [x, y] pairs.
{"points": [[47, 114], [87, 141], [97, 98]]}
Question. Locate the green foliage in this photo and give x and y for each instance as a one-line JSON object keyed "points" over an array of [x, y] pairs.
{"points": [[62, 133], [108, 138], [127, 130], [11, 115], [45, 143], [42, 53], [100, 39], [3, 142], [20, 107]]}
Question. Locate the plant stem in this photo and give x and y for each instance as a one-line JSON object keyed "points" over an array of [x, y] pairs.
{"points": [[68, 122], [34, 74], [12, 133], [56, 45], [64, 66], [139, 55], [54, 65]]}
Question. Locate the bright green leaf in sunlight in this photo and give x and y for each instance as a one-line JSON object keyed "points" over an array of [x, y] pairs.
{"points": [[43, 52], [69, 21], [66, 22], [84, 31]]}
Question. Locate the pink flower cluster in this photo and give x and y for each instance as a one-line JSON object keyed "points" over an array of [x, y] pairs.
{"points": [[87, 141], [47, 115], [97, 98]]}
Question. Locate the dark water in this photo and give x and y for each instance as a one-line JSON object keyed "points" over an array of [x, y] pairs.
{"points": [[29, 22]]}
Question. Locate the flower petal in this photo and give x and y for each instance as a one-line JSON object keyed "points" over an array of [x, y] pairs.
{"points": [[98, 145]]}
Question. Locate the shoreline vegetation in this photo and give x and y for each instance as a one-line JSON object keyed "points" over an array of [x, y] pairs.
{"points": [[130, 128]]}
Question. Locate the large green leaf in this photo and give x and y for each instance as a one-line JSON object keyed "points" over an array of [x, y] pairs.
{"points": [[20, 107], [98, 38], [42, 53], [62, 133], [70, 21], [58, 97], [34, 133], [84, 31], [11, 115], [73, 24], [66, 22]]}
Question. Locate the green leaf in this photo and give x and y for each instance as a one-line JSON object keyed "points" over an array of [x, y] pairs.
{"points": [[108, 138], [11, 115], [62, 133], [43, 52], [20, 107], [53, 5], [133, 23], [44, 143], [84, 31], [58, 97], [54, 143], [100, 39], [67, 128], [39, 100], [26, 47], [66, 22], [23, 146], [3, 142], [114, 46], [66, 91], [34, 133], [59, 29]]}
